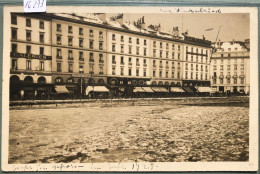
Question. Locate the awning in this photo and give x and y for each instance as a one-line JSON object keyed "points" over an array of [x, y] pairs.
{"points": [[177, 89], [138, 89], [204, 89], [188, 89], [147, 89], [162, 89], [61, 89], [96, 89], [156, 89]]}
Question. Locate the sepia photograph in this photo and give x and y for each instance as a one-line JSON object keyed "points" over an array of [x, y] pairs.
{"points": [[127, 88]]}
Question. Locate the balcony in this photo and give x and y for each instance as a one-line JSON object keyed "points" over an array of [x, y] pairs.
{"points": [[91, 60], [228, 77], [113, 62], [101, 73], [58, 57], [100, 37], [234, 77], [91, 35], [101, 61], [145, 65], [137, 64], [221, 77], [160, 66], [130, 64], [81, 59], [241, 76]]}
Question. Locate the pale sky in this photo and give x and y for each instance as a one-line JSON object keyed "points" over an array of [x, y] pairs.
{"points": [[234, 25]]}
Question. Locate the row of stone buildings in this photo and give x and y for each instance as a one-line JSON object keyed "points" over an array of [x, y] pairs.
{"points": [[78, 54]]}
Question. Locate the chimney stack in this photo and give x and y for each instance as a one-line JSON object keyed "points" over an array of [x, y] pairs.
{"points": [[142, 23]]}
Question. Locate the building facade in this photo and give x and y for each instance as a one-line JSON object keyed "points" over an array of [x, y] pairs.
{"points": [[230, 67], [76, 51]]}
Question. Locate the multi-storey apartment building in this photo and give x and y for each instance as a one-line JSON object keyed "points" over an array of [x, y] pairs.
{"points": [[230, 67], [31, 57], [80, 51]]}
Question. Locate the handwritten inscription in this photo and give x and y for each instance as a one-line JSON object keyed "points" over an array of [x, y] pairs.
{"points": [[191, 10], [34, 6], [87, 167]]}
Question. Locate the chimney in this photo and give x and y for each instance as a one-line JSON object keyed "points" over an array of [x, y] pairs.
{"points": [[102, 16], [120, 19], [159, 28], [142, 23]]}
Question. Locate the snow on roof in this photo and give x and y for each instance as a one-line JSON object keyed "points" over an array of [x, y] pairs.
{"points": [[114, 24], [230, 46]]}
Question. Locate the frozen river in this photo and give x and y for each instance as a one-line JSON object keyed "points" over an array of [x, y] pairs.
{"points": [[154, 131]]}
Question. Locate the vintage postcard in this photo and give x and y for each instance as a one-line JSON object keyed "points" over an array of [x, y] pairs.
{"points": [[130, 89]]}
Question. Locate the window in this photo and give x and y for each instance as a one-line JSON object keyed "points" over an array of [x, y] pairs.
{"points": [[187, 57], [70, 54], [222, 61], [41, 24], [130, 49], [14, 19], [154, 74], [113, 47], [197, 77], [28, 35], [91, 33], [42, 37], [41, 66], [70, 29], [154, 43], [129, 60], [191, 59], [41, 50], [28, 22], [154, 62], [242, 80], [222, 55], [166, 74], [228, 55], [191, 75], [122, 48], [28, 65], [214, 81], [14, 64], [186, 66], [113, 37], [59, 67], [160, 73], [58, 39], [173, 55], [228, 81], [80, 31], [70, 41], [201, 67], [122, 38], [130, 40], [122, 71], [81, 56], [144, 62], [235, 67], [144, 51], [221, 81], [101, 58], [221, 67], [173, 74], [137, 72], [173, 47], [161, 54], [179, 48], [91, 71], [214, 67], [14, 33], [241, 67], [113, 70], [58, 53], [137, 50], [167, 54], [191, 66], [144, 72], [101, 70], [91, 57], [154, 53], [100, 45], [137, 41], [197, 67], [179, 56], [81, 69], [14, 48], [197, 59], [122, 60], [70, 68], [28, 49], [137, 62], [58, 27], [80, 42], [235, 81], [100, 35], [201, 76], [145, 42], [130, 71], [91, 44]]}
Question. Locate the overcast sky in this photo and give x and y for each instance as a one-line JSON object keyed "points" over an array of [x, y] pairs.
{"points": [[234, 26]]}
